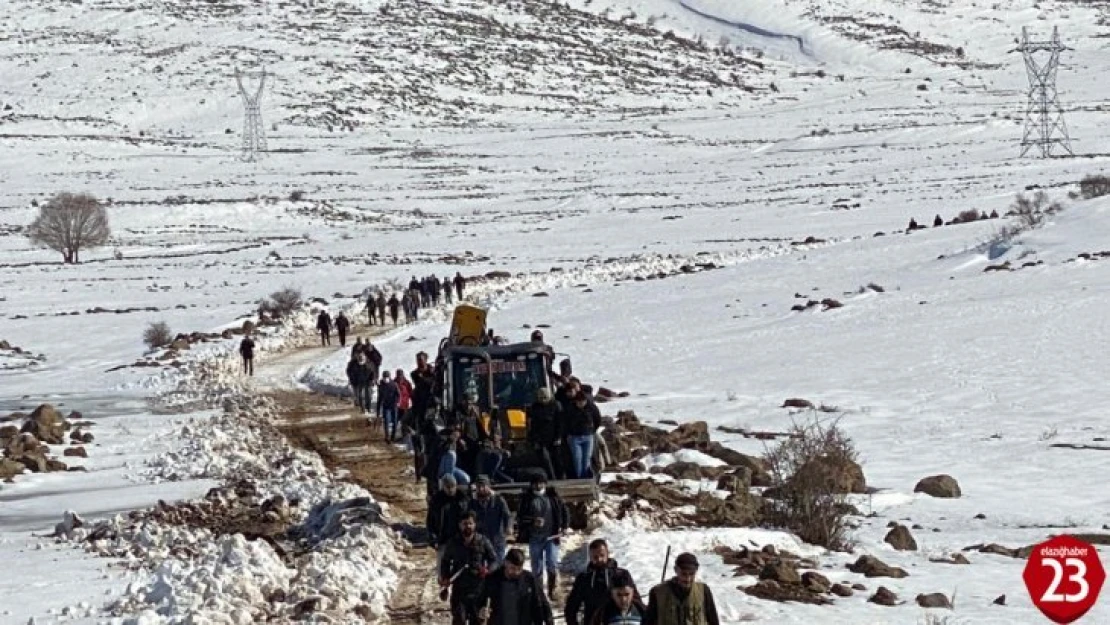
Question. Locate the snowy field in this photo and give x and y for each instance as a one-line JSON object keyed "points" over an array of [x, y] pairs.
{"points": [[582, 150]]}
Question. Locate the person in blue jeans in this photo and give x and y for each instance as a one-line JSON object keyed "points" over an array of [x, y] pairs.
{"points": [[582, 422], [449, 458], [542, 519], [388, 398]]}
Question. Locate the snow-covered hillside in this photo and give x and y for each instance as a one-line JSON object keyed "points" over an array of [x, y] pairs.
{"points": [[585, 148]]}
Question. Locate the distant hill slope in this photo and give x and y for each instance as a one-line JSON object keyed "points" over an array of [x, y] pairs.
{"points": [[340, 65]]}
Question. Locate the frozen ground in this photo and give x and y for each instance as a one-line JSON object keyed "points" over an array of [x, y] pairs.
{"points": [[422, 145]]}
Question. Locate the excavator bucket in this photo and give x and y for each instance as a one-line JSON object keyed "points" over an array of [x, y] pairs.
{"points": [[468, 325]]}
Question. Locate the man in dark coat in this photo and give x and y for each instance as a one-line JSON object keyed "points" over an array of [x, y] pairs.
{"points": [[360, 377], [446, 289], [382, 303], [323, 324], [372, 309], [682, 600], [467, 559], [342, 325], [513, 596], [582, 421], [545, 432], [246, 351], [394, 304], [592, 587], [542, 519], [445, 510], [494, 518], [623, 606], [388, 398], [460, 284]]}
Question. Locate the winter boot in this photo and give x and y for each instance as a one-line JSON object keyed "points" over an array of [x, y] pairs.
{"points": [[552, 585]]}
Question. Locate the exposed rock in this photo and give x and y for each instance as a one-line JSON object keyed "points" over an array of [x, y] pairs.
{"points": [[995, 548], [690, 435], [901, 539], [55, 465], [841, 590], [683, 470], [934, 600], [957, 558], [870, 566], [8, 432], [943, 486], [35, 462], [883, 596], [842, 475], [25, 443], [999, 600], [738, 510], [47, 425], [75, 452], [738, 481], [770, 590], [781, 571], [10, 468], [797, 403], [816, 582], [760, 475]]}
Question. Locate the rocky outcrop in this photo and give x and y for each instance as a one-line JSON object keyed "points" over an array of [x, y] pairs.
{"points": [[942, 486], [900, 538], [870, 566]]}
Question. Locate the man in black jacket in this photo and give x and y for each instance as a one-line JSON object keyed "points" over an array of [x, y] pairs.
{"points": [[513, 596], [623, 607], [583, 420], [342, 325], [246, 350], [545, 432], [359, 375], [542, 519], [467, 559], [445, 510], [323, 324], [592, 587]]}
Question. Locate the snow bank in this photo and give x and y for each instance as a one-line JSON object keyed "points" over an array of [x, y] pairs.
{"points": [[683, 455], [349, 557]]}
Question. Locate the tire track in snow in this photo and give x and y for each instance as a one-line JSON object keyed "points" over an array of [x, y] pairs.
{"points": [[749, 28]]}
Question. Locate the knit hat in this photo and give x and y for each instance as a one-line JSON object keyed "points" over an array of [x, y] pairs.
{"points": [[483, 480], [686, 561]]}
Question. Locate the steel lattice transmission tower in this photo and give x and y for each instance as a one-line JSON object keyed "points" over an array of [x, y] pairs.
{"points": [[1044, 118], [254, 133]]}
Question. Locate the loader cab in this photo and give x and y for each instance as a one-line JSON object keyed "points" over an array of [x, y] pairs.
{"points": [[505, 379]]}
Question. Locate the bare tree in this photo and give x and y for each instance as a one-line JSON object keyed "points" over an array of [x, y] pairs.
{"points": [[70, 222]]}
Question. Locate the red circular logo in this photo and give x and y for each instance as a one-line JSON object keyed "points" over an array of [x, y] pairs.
{"points": [[1064, 577]]}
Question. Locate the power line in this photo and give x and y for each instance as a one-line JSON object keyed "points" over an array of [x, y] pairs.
{"points": [[254, 132]]}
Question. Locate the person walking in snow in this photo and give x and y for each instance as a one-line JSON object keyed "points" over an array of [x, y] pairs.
{"points": [[445, 509], [393, 306], [357, 348], [323, 324], [371, 309], [360, 376], [512, 596], [682, 600], [623, 606], [460, 284], [246, 352], [467, 560], [342, 325], [591, 590], [434, 288], [447, 290], [542, 519], [388, 397], [382, 303], [494, 517]]}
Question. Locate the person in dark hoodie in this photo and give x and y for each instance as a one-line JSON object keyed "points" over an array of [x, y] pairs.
{"points": [[323, 324], [592, 587], [545, 432], [682, 600], [342, 325], [467, 559], [388, 398], [445, 510], [494, 518], [360, 375], [623, 607], [513, 596], [542, 519], [583, 420]]}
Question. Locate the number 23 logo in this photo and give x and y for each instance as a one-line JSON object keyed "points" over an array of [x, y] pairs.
{"points": [[1052, 595]]}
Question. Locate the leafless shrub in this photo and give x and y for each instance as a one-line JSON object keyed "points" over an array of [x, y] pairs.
{"points": [[1094, 186], [282, 303], [70, 222], [1030, 212], [967, 216], [807, 502], [157, 334]]}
